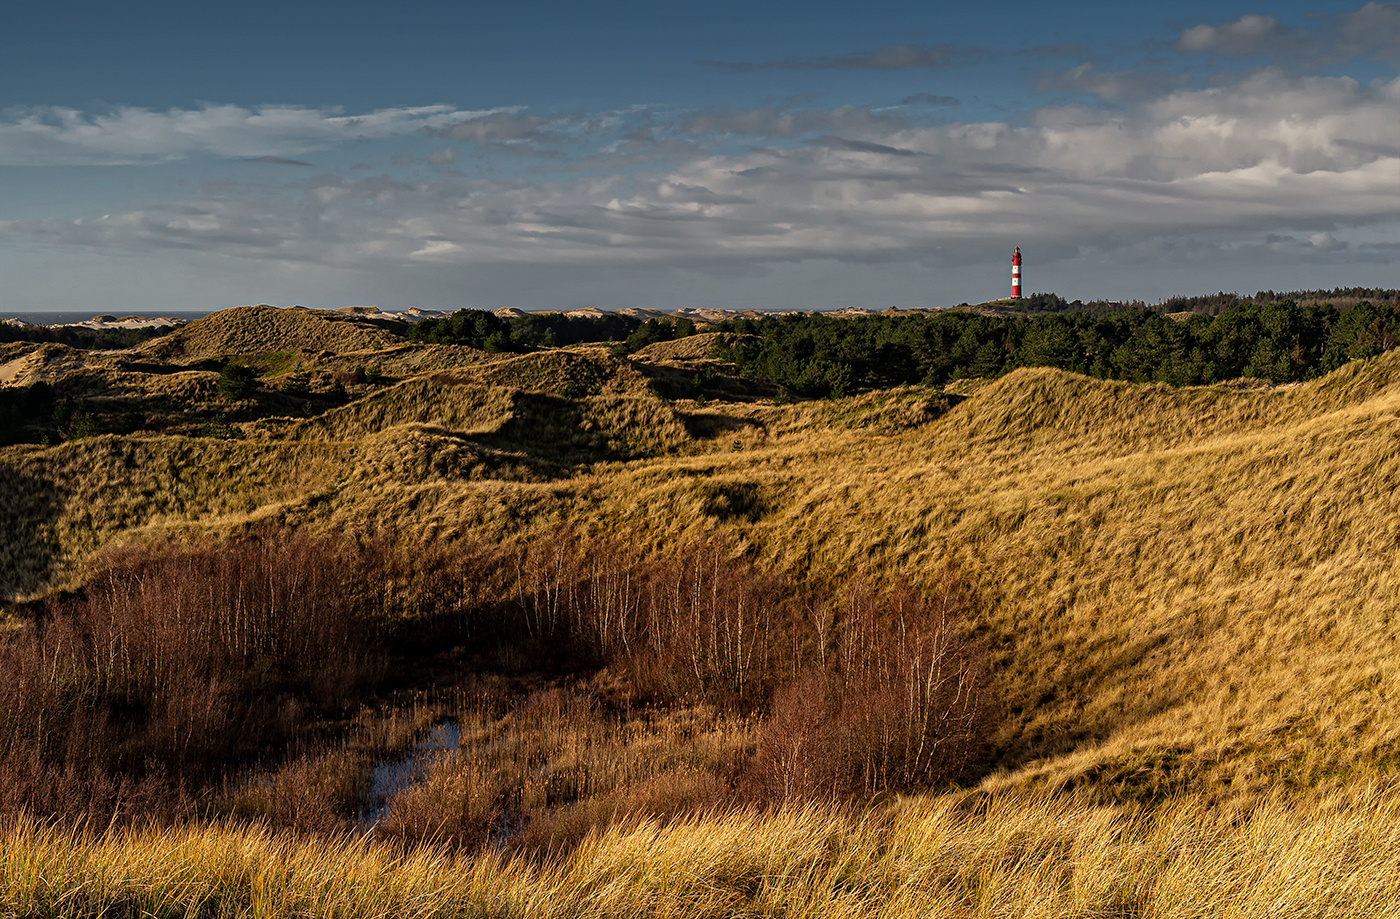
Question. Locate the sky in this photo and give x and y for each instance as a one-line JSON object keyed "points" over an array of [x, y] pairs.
{"points": [[769, 154]]}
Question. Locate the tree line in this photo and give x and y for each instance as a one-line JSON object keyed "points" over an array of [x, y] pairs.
{"points": [[1283, 341]]}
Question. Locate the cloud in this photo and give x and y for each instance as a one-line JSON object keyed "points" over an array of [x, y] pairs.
{"points": [[128, 135], [442, 157], [1059, 49], [786, 121], [890, 57], [863, 146], [275, 160], [929, 99], [1114, 87], [493, 127], [1312, 161], [1250, 34], [1372, 30]]}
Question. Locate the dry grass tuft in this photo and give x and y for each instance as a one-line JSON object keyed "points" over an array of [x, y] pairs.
{"points": [[953, 856]]}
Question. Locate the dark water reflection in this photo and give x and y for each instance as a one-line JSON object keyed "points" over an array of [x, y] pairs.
{"points": [[392, 777]]}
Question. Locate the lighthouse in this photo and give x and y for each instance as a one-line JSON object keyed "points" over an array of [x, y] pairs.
{"points": [[1016, 274]]}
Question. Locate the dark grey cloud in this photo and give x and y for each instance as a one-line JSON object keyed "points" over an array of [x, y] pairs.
{"points": [[1372, 30], [276, 160], [496, 127], [889, 57], [1114, 86], [864, 146], [1070, 49]]}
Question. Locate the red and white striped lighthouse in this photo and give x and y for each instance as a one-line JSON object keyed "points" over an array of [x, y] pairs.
{"points": [[1016, 274]]}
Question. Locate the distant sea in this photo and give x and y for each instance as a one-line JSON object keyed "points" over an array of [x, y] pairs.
{"points": [[71, 317]]}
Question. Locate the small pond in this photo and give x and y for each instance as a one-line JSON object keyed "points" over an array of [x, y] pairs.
{"points": [[392, 777]]}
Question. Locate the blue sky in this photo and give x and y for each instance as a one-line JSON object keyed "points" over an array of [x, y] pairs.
{"points": [[169, 156]]}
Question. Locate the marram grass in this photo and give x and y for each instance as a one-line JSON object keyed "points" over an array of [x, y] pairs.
{"points": [[961, 855]]}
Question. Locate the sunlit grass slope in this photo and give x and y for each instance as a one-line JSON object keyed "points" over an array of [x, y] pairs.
{"points": [[250, 330], [59, 504], [1181, 589]]}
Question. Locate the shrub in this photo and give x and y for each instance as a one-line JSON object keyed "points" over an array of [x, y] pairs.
{"points": [[179, 664], [184, 658], [296, 384], [899, 704], [219, 428], [237, 381], [349, 377]]}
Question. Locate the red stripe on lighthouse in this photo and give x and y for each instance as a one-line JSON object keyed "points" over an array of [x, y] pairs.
{"points": [[1016, 274]]}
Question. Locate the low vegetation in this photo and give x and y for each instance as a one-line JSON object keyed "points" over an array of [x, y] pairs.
{"points": [[609, 630], [956, 856], [178, 667]]}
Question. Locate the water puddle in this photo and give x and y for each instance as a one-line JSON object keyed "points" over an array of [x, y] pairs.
{"points": [[392, 777]]}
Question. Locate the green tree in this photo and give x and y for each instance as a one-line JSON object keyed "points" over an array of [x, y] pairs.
{"points": [[237, 381]]}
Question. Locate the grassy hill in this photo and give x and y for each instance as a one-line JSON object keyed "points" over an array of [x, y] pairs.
{"points": [[254, 330], [1185, 601]]}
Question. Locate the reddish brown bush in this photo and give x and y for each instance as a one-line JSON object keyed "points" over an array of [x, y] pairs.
{"points": [[180, 665], [698, 623], [183, 659], [899, 706]]}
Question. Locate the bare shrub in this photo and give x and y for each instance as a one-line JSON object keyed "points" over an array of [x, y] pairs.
{"points": [[614, 596], [698, 623], [547, 585], [178, 666], [717, 623], [801, 753], [312, 793], [189, 659], [900, 705], [285, 611]]}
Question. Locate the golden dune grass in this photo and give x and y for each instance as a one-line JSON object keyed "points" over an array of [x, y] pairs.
{"points": [[250, 330], [1188, 600], [1181, 589], [63, 503], [952, 856], [691, 348]]}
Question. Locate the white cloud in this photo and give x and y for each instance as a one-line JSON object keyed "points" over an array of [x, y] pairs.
{"points": [[1247, 35]]}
